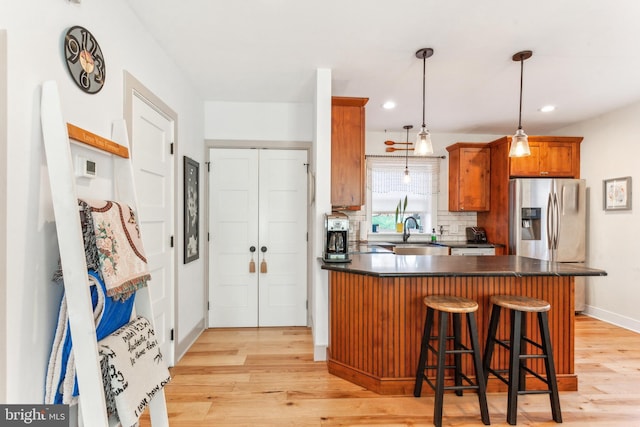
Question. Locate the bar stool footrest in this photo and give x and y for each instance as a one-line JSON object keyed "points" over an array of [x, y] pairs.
{"points": [[472, 385], [499, 374], [521, 392]]}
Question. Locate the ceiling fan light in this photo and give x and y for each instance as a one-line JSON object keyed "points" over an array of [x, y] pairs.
{"points": [[423, 146], [519, 145]]}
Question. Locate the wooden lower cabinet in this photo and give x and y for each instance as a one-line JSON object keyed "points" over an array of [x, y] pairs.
{"points": [[376, 323]]}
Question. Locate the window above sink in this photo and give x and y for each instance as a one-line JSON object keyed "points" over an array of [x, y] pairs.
{"points": [[385, 187]]}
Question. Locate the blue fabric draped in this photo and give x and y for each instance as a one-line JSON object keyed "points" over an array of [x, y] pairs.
{"points": [[115, 314]]}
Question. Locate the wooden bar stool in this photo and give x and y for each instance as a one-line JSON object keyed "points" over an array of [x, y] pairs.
{"points": [[455, 306], [519, 306]]}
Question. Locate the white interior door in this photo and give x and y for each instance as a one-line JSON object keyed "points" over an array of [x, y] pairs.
{"points": [[152, 134], [257, 199], [283, 232], [233, 228]]}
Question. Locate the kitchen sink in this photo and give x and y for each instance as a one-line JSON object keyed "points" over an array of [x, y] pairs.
{"points": [[420, 249]]}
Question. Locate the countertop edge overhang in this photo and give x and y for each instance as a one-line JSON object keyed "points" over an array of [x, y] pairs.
{"points": [[390, 265]]}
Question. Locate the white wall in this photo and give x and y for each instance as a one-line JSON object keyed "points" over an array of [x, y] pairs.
{"points": [[3, 211], [35, 55], [258, 121], [610, 149], [321, 168]]}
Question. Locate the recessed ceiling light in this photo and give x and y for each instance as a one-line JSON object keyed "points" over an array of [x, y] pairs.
{"points": [[389, 105], [547, 108]]}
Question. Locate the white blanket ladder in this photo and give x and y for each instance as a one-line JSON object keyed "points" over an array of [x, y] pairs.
{"points": [[92, 408]]}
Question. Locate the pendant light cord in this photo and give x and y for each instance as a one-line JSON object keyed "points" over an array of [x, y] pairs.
{"points": [[406, 153], [521, 78], [424, 78]]}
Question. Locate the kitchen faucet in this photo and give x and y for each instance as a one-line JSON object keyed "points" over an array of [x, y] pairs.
{"points": [[405, 229]]}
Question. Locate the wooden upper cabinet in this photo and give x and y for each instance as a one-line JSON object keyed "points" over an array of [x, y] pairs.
{"points": [[549, 158], [469, 177], [347, 152]]}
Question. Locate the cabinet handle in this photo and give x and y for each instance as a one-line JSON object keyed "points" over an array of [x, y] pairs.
{"points": [[544, 173]]}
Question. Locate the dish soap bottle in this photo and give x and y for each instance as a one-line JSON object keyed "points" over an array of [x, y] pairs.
{"points": [[433, 236]]}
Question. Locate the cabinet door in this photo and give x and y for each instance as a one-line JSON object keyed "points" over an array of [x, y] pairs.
{"points": [[347, 152], [469, 179], [474, 179], [557, 159], [527, 166], [548, 159]]}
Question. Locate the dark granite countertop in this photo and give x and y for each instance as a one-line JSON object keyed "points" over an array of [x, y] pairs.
{"points": [[388, 265], [383, 246]]}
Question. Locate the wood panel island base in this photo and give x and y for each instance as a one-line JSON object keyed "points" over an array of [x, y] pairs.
{"points": [[376, 313]]}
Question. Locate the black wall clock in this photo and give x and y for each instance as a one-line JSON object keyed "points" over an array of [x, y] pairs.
{"points": [[84, 59]]}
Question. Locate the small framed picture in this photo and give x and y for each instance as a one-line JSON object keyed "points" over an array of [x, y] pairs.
{"points": [[616, 193], [191, 210]]}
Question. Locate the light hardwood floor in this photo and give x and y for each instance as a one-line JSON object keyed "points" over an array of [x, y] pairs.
{"points": [[267, 377]]}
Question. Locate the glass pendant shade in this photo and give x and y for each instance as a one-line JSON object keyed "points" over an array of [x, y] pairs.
{"points": [[519, 145], [423, 146], [407, 177], [519, 141]]}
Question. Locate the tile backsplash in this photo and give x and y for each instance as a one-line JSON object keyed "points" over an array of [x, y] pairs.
{"points": [[453, 225]]}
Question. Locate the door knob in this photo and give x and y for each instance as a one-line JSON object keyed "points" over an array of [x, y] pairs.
{"points": [[263, 264], [252, 249]]}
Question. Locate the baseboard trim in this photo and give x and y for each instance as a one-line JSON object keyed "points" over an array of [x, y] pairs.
{"points": [[613, 318], [184, 345], [319, 353]]}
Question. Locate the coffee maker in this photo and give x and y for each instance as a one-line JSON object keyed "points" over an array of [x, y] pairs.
{"points": [[336, 237]]}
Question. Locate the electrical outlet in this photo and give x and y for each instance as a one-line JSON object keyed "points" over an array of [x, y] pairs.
{"points": [[454, 228]]}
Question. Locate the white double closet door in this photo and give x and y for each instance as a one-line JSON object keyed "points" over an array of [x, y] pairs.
{"points": [[258, 237]]}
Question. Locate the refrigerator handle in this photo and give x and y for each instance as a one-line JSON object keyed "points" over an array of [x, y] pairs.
{"points": [[549, 223], [556, 224]]}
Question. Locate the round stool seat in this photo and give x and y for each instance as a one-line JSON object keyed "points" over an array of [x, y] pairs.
{"points": [[450, 304], [521, 303]]}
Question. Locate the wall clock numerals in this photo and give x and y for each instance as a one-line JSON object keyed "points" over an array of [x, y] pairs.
{"points": [[85, 60]]}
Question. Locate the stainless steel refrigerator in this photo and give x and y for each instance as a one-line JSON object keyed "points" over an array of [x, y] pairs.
{"points": [[548, 221]]}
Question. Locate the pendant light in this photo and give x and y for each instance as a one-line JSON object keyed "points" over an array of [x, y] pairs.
{"points": [[519, 141], [407, 178], [423, 142]]}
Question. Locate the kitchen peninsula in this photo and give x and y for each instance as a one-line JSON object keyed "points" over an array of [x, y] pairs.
{"points": [[376, 314]]}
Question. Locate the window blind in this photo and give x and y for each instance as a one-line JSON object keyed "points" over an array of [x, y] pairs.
{"points": [[385, 174]]}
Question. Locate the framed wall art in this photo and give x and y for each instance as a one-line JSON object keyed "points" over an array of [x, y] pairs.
{"points": [[616, 194], [191, 210]]}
